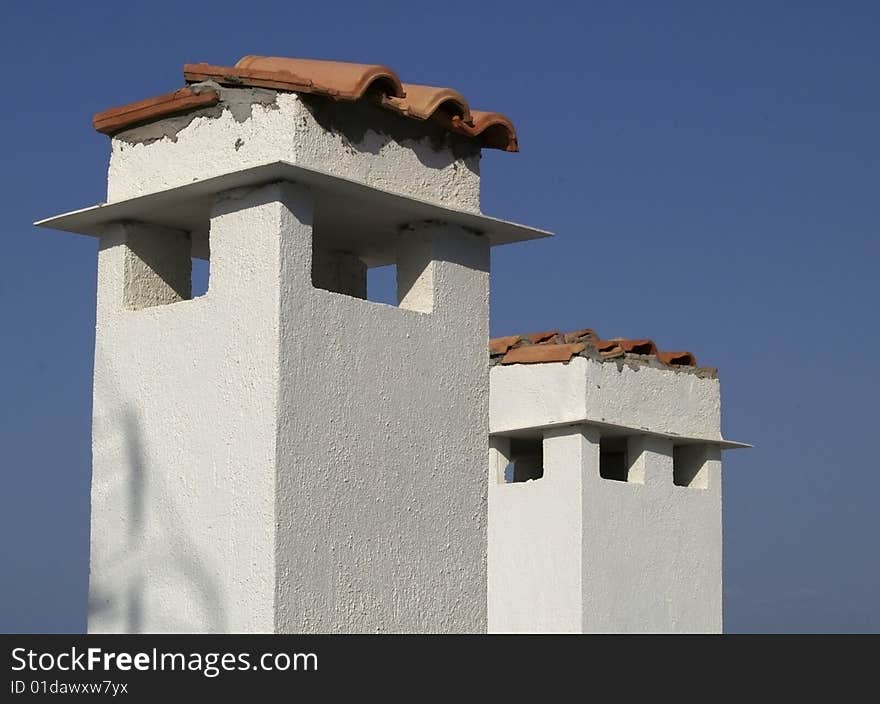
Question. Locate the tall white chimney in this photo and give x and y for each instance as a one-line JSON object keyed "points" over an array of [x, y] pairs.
{"points": [[280, 454]]}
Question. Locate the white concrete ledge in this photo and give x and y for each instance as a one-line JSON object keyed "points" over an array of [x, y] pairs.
{"points": [[615, 429], [374, 214]]}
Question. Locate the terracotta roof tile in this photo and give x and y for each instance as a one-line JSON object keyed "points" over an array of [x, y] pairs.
{"points": [[500, 345], [117, 119], [536, 337], [684, 359], [339, 80], [534, 354], [494, 130], [637, 346], [335, 79], [553, 346], [609, 348], [421, 102], [581, 335]]}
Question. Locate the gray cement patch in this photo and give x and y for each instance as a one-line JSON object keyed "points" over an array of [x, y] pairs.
{"points": [[238, 101]]}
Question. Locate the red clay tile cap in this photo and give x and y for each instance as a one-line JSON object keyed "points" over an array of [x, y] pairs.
{"points": [[339, 80], [552, 346], [117, 119], [534, 354], [683, 359], [500, 345]]}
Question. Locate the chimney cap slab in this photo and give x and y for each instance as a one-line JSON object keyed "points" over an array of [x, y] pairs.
{"points": [[342, 207]]}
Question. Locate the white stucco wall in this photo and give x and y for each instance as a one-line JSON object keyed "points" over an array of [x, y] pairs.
{"points": [[285, 130], [536, 540], [382, 445], [652, 551], [276, 457], [645, 553], [184, 441]]}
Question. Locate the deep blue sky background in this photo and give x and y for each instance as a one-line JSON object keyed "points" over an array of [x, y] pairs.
{"points": [[712, 173]]}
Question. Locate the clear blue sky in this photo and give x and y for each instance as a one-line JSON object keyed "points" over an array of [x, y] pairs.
{"points": [[711, 170]]}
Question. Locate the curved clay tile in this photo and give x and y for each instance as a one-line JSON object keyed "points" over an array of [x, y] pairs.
{"points": [[229, 76], [537, 354], [681, 359], [341, 79], [581, 335], [500, 345], [539, 337], [492, 128], [117, 119], [422, 102], [609, 348], [335, 79], [637, 346]]}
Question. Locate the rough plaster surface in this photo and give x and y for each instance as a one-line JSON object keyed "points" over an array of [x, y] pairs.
{"points": [[157, 266], [184, 443], [573, 552], [382, 498], [532, 395], [399, 155], [652, 551], [276, 457], [535, 541]]}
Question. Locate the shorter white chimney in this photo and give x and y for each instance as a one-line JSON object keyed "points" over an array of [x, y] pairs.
{"points": [[604, 488]]}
